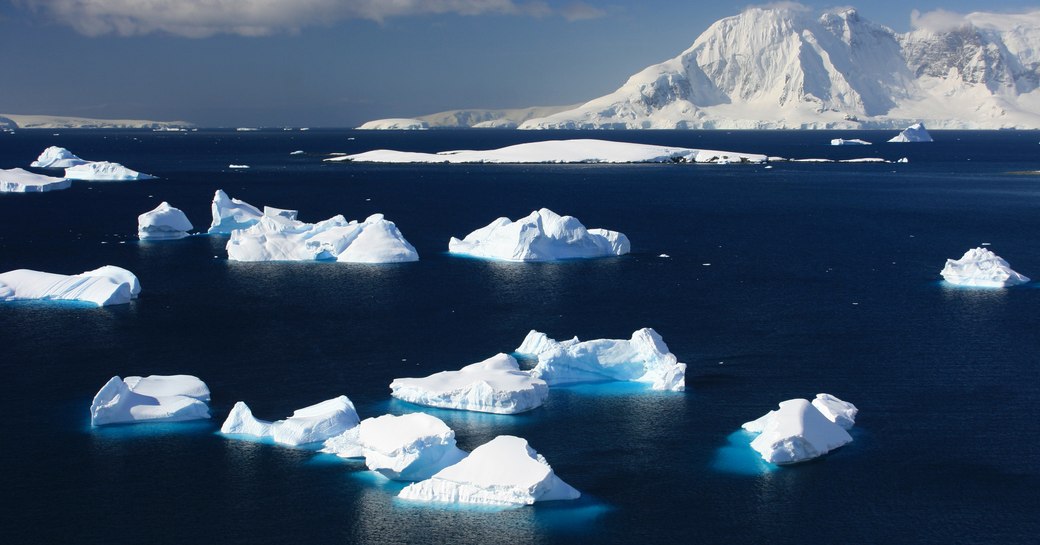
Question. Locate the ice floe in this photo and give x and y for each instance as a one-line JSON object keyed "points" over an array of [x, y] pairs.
{"points": [[55, 157], [795, 432], [18, 180], [849, 142], [108, 285], [230, 214], [981, 268], [104, 171], [541, 236], [238, 167], [155, 398], [163, 223], [495, 385], [410, 447], [311, 424], [913, 133]]}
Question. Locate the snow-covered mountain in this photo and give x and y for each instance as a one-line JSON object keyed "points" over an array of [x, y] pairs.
{"points": [[65, 122], [785, 67]]}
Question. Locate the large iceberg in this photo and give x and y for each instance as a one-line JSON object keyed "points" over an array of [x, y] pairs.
{"points": [[108, 285], [163, 223], [643, 358], [541, 236], [55, 157], [104, 171], [504, 471], [280, 237], [796, 432], [411, 447], [981, 268], [230, 214], [155, 398], [495, 385], [19, 180], [307, 425], [913, 133]]}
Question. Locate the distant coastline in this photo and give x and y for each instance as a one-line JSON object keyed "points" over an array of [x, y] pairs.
{"points": [[19, 121]]}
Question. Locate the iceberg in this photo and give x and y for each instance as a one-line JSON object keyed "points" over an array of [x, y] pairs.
{"points": [[644, 358], [913, 133], [796, 432], [840, 412], [230, 214], [163, 223], [108, 285], [505, 471], [495, 385], [311, 424], [981, 268], [18, 180], [412, 447], [850, 142], [104, 171], [541, 236], [155, 398], [395, 124], [278, 236], [55, 157]]}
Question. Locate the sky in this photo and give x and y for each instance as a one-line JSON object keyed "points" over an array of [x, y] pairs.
{"points": [[338, 63]]}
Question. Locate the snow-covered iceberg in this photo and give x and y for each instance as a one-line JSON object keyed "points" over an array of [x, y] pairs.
{"points": [[504, 471], [913, 133], [108, 285], [849, 142], [163, 223], [561, 151], [796, 432], [280, 237], [411, 447], [55, 157], [230, 214], [495, 385], [18, 180], [311, 424], [155, 398], [981, 268], [395, 124], [840, 412], [643, 358], [541, 236], [104, 171]]}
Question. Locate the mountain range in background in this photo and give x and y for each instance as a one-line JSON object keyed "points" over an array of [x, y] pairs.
{"points": [[16, 121]]}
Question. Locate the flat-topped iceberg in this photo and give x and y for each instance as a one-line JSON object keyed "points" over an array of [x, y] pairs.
{"points": [[411, 447], [280, 237], [311, 424], [561, 151], [913, 133], [541, 236], [643, 358], [55, 157], [502, 472], [19, 180], [840, 412], [105, 172], [394, 124], [849, 142], [155, 398], [981, 268], [796, 432], [230, 214], [163, 223], [495, 385], [108, 285]]}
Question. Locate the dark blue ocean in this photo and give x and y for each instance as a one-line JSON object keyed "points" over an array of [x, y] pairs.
{"points": [[822, 278]]}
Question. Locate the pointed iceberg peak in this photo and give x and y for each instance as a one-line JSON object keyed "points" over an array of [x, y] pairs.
{"points": [[913, 133], [230, 214]]}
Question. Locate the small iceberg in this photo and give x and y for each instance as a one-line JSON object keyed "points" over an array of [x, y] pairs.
{"points": [[643, 358], [840, 412], [796, 432], [312, 424], [108, 285], [849, 142], [505, 471], [238, 167], [981, 268], [297, 152], [104, 171], [411, 447], [495, 385], [395, 124], [913, 133], [55, 157], [155, 398], [19, 180], [230, 214], [541, 236], [163, 223]]}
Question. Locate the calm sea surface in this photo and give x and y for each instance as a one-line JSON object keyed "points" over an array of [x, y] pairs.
{"points": [[822, 278]]}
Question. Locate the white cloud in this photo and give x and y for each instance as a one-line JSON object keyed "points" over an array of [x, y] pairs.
{"points": [[938, 20], [580, 11]]}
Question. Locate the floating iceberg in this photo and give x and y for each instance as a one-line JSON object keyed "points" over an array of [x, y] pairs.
{"points": [[541, 236], [981, 268], [504, 471], [230, 214], [104, 171], [411, 447], [108, 285], [238, 166], [156, 398], [495, 385], [561, 151], [395, 124], [840, 412], [849, 142], [796, 432], [280, 237], [18, 180], [163, 223], [55, 157], [643, 358], [913, 133], [307, 425]]}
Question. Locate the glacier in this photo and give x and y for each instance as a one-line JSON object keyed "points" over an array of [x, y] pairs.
{"points": [[541, 236], [505, 471], [107, 285], [913, 133], [230, 214], [495, 385], [104, 171], [795, 432], [395, 124], [981, 268], [643, 358], [19, 180], [312, 424], [56, 157], [163, 223], [155, 398], [411, 447]]}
